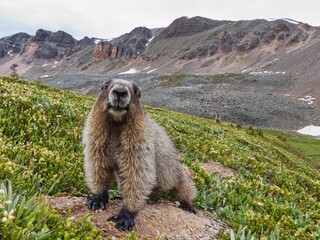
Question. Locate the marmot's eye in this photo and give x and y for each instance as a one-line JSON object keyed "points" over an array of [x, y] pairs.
{"points": [[105, 84], [137, 90]]}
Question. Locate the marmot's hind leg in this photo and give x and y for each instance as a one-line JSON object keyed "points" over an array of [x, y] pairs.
{"points": [[186, 191]]}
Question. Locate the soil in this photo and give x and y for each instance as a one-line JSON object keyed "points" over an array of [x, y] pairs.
{"points": [[162, 219], [218, 169]]}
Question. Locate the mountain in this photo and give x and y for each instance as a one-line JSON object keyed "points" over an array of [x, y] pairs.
{"points": [[278, 59], [188, 45]]}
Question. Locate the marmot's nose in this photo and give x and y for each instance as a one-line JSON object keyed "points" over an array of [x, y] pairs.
{"points": [[120, 93]]}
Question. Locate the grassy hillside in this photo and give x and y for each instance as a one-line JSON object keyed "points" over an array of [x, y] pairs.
{"points": [[276, 194]]}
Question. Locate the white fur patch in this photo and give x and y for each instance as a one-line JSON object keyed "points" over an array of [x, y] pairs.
{"points": [[117, 114]]}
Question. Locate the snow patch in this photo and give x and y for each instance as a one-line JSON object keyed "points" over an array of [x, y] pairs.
{"points": [[152, 70], [97, 40], [10, 53], [46, 64], [149, 40], [310, 130], [291, 21], [44, 76], [267, 72], [147, 68], [308, 99], [130, 71]]}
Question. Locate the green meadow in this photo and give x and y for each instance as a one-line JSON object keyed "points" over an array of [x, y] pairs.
{"points": [[274, 195]]}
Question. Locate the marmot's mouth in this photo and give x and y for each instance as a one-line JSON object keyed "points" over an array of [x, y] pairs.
{"points": [[117, 108]]}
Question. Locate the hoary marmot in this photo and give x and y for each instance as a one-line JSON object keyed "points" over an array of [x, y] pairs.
{"points": [[123, 144]]}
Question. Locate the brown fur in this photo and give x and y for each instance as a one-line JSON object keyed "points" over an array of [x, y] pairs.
{"points": [[134, 151]]}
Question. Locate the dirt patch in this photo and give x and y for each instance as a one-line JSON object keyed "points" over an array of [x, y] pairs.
{"points": [[218, 169], [163, 219]]}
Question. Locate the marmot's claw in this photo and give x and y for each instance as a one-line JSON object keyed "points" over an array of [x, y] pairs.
{"points": [[97, 201], [124, 221], [187, 207]]}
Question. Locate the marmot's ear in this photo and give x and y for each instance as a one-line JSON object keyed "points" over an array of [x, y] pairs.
{"points": [[136, 90], [106, 84]]}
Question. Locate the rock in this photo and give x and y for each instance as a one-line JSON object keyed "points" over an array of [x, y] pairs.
{"points": [[85, 42], [104, 50], [13, 44], [127, 46], [188, 26], [2, 52], [280, 28], [133, 43], [226, 43], [248, 45], [42, 35], [62, 39], [46, 51]]}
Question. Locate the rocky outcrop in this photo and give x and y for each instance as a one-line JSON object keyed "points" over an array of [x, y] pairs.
{"points": [[53, 44], [243, 37], [46, 51], [62, 39], [127, 46], [188, 26], [2, 52], [42, 35], [49, 44], [135, 41], [104, 50], [13, 44], [84, 43]]}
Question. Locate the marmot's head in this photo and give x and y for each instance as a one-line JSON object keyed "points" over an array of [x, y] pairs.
{"points": [[122, 97]]}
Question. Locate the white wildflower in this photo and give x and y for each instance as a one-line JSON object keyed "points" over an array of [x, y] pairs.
{"points": [[8, 202], [260, 204], [4, 220]]}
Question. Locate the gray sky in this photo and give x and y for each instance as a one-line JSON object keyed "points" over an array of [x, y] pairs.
{"points": [[106, 19]]}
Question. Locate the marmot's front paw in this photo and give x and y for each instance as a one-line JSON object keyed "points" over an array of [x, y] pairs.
{"points": [[97, 201], [124, 221]]}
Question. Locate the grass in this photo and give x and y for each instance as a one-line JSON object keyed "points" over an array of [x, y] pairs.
{"points": [[275, 195], [305, 146], [176, 80]]}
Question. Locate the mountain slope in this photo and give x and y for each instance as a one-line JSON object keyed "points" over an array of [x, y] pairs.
{"points": [[274, 193], [188, 45]]}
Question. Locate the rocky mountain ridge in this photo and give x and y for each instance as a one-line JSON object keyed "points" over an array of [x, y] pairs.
{"points": [[188, 45]]}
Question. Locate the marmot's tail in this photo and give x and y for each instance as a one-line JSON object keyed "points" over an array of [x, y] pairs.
{"points": [[186, 190]]}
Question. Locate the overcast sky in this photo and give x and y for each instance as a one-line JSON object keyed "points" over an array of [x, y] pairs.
{"points": [[107, 19]]}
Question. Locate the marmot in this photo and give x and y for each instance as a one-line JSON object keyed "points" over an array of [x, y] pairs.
{"points": [[122, 143]]}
